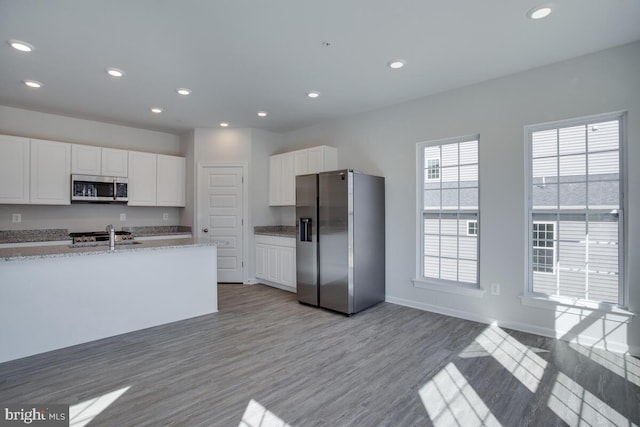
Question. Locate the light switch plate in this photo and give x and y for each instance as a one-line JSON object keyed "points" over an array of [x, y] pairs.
{"points": [[123, 217], [165, 216], [495, 289], [16, 217]]}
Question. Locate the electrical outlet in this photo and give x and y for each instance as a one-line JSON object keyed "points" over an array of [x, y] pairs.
{"points": [[165, 216], [123, 217], [495, 289], [16, 218]]}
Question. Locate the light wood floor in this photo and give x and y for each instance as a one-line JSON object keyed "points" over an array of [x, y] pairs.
{"points": [[386, 366]]}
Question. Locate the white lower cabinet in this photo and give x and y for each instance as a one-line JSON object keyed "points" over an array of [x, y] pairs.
{"points": [[276, 260]]}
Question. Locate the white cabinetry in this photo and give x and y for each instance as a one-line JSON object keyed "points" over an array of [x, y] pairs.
{"points": [[91, 160], [276, 261], [50, 173], [115, 162], [171, 180], [321, 159], [85, 159], [282, 180], [142, 178], [14, 169], [283, 169], [156, 179]]}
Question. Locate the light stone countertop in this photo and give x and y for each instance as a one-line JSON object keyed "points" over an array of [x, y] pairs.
{"points": [[276, 230], [57, 251]]}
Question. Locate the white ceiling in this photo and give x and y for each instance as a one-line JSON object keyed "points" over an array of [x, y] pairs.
{"points": [[242, 56]]}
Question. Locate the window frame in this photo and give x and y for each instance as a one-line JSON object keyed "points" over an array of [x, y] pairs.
{"points": [[422, 281], [623, 286]]}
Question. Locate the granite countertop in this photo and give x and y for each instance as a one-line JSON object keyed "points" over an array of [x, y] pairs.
{"points": [[57, 251], [32, 236], [163, 230], [276, 230], [62, 234]]}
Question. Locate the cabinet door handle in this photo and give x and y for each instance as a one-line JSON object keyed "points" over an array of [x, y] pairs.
{"points": [[205, 230]]}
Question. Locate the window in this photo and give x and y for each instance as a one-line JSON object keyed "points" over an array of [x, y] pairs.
{"points": [[448, 212], [472, 228], [433, 168], [575, 209], [543, 247]]}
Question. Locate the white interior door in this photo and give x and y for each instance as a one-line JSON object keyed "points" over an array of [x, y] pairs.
{"points": [[220, 217]]}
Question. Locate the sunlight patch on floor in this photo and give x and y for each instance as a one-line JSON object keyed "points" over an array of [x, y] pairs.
{"points": [[515, 357], [476, 350], [577, 406], [624, 365], [257, 415], [83, 413], [451, 401]]}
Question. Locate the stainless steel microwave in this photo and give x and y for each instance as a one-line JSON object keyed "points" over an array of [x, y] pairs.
{"points": [[105, 189]]}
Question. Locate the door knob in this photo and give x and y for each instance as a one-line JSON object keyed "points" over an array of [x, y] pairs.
{"points": [[206, 230]]}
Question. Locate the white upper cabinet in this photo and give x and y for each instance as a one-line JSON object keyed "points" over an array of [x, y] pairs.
{"points": [[91, 160], [171, 180], [322, 159], [142, 179], [14, 170], [283, 169], [85, 159], [50, 173], [115, 162], [282, 180]]}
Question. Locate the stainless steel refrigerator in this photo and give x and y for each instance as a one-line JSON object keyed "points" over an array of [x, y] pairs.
{"points": [[340, 250]]}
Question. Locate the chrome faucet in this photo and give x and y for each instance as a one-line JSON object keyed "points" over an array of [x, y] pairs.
{"points": [[112, 236]]}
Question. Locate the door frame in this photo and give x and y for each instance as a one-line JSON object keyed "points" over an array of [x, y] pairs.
{"points": [[201, 166]]}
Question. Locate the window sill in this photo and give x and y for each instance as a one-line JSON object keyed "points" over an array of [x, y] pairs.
{"points": [[553, 303], [450, 289]]}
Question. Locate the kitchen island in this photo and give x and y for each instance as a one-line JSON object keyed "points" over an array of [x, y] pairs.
{"points": [[57, 296]]}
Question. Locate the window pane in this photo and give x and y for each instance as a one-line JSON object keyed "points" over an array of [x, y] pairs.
{"points": [[469, 152], [450, 175], [432, 199], [604, 195], [573, 140], [450, 199], [574, 249], [449, 269], [545, 143], [469, 176], [449, 155], [574, 166], [468, 271], [604, 136], [468, 198], [573, 196]]}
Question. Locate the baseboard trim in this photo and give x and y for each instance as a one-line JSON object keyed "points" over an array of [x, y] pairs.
{"points": [[614, 346], [276, 285]]}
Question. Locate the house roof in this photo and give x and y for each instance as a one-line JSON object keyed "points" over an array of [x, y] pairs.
{"points": [[241, 57]]}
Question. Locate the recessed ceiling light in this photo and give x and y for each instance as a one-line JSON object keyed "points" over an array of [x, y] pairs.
{"points": [[183, 91], [224, 124], [20, 45], [114, 72], [262, 114], [397, 63], [313, 94], [156, 110], [539, 12], [32, 83]]}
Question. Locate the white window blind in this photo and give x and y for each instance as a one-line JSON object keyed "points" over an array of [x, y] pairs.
{"points": [[449, 182], [575, 210]]}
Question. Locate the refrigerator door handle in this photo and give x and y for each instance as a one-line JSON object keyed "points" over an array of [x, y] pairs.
{"points": [[305, 229]]}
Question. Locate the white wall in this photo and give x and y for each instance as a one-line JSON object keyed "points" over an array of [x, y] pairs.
{"points": [[84, 217], [384, 142], [248, 147]]}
